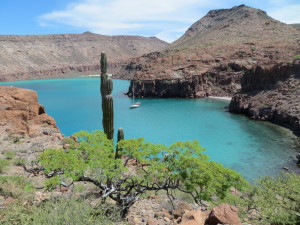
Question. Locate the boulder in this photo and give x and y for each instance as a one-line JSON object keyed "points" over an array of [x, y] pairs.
{"points": [[194, 217], [152, 222], [181, 208], [224, 214]]}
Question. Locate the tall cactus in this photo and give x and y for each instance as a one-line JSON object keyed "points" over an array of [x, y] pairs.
{"points": [[106, 88]]}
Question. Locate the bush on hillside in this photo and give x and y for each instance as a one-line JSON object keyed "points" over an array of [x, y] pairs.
{"points": [[59, 211], [272, 200], [277, 199], [143, 167], [3, 164]]}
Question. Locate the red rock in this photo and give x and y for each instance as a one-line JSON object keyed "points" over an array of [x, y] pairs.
{"points": [[181, 209], [194, 217], [21, 114], [152, 222], [224, 214]]}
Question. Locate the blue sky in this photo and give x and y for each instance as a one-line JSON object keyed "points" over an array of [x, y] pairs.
{"points": [[165, 19]]}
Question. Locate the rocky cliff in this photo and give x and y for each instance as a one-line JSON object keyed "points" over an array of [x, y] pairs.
{"points": [[270, 93], [24, 123], [24, 57], [214, 53]]}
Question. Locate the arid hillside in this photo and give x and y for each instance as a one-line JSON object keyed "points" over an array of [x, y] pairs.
{"points": [[212, 55], [297, 25], [25, 57]]}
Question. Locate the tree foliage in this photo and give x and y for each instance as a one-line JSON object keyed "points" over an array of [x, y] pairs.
{"points": [[277, 199], [271, 200], [142, 167]]}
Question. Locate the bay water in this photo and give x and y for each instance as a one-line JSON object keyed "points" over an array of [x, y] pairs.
{"points": [[253, 148]]}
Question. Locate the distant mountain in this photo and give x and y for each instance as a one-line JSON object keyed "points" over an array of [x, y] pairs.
{"points": [[45, 56], [223, 40], [239, 51]]}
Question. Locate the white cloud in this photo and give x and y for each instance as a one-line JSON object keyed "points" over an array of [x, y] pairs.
{"points": [[130, 16], [150, 17], [171, 35], [287, 14]]}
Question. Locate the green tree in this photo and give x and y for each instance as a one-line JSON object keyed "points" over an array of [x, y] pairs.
{"points": [[277, 199], [141, 167]]}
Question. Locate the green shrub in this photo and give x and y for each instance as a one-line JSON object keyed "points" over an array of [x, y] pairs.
{"points": [[181, 166], [276, 200], [296, 57], [60, 211], [19, 161], [79, 188], [3, 164], [13, 186], [8, 154], [52, 183], [69, 141]]}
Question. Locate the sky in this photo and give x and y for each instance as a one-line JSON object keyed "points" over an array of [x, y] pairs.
{"points": [[165, 19]]}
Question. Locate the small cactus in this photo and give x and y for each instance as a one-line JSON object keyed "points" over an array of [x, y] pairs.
{"points": [[120, 138]]}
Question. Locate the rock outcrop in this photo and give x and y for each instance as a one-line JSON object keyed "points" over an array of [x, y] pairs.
{"points": [[270, 93], [25, 57], [194, 217], [24, 121], [224, 214], [214, 54]]}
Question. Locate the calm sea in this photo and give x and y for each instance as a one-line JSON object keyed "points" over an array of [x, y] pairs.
{"points": [[253, 148]]}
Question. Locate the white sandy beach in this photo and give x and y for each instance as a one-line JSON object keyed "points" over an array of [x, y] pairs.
{"points": [[221, 98], [94, 75]]}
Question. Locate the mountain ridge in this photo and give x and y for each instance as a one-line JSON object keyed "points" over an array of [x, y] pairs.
{"points": [[239, 52], [242, 35], [25, 57]]}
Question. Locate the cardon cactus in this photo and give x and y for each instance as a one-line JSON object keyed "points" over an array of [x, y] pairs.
{"points": [[106, 88], [109, 86], [103, 76], [120, 138], [108, 116]]}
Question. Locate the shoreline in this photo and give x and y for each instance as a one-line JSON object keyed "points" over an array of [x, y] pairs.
{"points": [[220, 98]]}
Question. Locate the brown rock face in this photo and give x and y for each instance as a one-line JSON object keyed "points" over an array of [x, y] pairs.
{"points": [[224, 214], [214, 53], [270, 93], [21, 115], [25, 57]]}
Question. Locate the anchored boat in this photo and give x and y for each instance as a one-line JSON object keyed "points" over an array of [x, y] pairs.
{"points": [[134, 104]]}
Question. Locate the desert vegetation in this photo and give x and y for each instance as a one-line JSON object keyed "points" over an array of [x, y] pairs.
{"points": [[90, 180]]}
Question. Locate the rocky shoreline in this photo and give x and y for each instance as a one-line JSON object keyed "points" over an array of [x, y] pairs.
{"points": [[214, 83], [270, 93], [66, 72]]}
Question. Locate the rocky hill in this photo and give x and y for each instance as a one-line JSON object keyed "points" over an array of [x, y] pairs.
{"points": [[214, 53], [296, 25], [25, 57], [24, 125]]}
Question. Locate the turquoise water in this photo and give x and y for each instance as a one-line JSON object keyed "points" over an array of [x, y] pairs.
{"points": [[252, 148]]}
